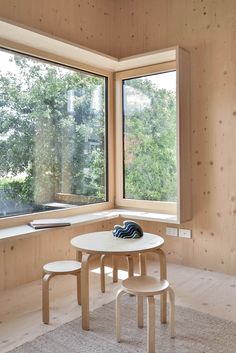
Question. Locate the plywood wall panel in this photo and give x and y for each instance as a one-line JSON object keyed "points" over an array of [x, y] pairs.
{"points": [[21, 259], [140, 26], [88, 23], [207, 29]]}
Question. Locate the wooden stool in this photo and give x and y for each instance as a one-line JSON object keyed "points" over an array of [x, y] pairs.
{"points": [[146, 286], [66, 267]]}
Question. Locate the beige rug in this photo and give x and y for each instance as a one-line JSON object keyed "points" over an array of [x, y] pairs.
{"points": [[196, 332]]}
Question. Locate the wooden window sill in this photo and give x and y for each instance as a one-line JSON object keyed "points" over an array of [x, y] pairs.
{"points": [[88, 218]]}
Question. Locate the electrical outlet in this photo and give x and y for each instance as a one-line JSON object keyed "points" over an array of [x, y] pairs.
{"points": [[172, 231], [185, 233]]}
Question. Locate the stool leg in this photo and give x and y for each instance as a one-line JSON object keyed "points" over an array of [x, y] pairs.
{"points": [[79, 287], [130, 266], [172, 312], [139, 306], [118, 296], [151, 324], [85, 290], [45, 297], [102, 273], [115, 269]]}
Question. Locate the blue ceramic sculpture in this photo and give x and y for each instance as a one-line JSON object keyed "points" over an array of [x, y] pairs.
{"points": [[130, 230]]}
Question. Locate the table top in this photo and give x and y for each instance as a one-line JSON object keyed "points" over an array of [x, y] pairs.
{"points": [[105, 243]]}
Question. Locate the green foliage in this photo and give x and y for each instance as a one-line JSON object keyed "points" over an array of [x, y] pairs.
{"points": [[22, 190], [150, 140], [52, 132], [41, 138]]}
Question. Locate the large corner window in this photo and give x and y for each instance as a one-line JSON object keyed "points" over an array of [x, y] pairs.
{"points": [[53, 133], [153, 146], [149, 137], [147, 134]]}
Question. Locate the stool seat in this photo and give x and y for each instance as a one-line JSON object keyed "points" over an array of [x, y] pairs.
{"points": [[144, 285], [62, 267]]}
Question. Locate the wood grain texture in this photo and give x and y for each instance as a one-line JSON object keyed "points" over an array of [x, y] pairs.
{"points": [[88, 23], [22, 260], [184, 209], [106, 243], [21, 319], [207, 30], [146, 286]]}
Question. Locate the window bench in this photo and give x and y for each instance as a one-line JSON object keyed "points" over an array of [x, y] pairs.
{"points": [[88, 218]]}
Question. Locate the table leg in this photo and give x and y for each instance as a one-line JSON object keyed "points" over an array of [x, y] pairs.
{"points": [[78, 256], [115, 269], [102, 273], [163, 275], [130, 265], [142, 265], [142, 271], [85, 290]]}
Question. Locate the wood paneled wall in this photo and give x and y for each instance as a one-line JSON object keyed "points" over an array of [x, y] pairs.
{"points": [[85, 22], [22, 259], [207, 29]]}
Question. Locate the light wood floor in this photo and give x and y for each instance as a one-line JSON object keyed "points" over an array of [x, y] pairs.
{"points": [[20, 308]]}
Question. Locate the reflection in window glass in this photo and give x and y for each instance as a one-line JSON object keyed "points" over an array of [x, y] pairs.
{"points": [[149, 128], [52, 136]]}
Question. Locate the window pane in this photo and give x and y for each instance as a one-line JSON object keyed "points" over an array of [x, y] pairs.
{"points": [[52, 136], [149, 137]]}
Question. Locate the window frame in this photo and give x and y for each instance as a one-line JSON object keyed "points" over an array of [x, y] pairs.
{"points": [[108, 76], [159, 206], [182, 207], [43, 45]]}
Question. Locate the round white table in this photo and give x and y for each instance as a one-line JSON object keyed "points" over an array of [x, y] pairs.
{"points": [[103, 243]]}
